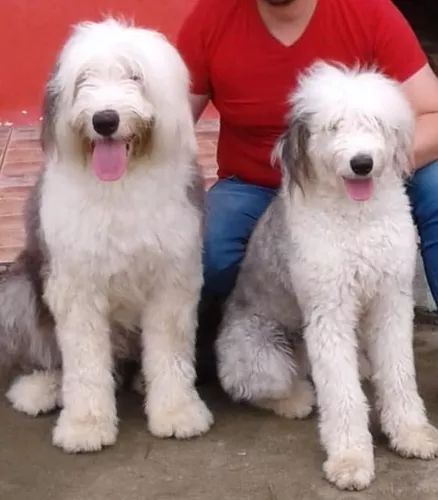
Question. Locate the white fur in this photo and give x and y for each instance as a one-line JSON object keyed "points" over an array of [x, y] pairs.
{"points": [[126, 251], [353, 266]]}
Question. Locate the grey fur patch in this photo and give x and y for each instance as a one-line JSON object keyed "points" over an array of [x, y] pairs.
{"points": [[262, 321], [291, 149], [50, 106], [27, 335], [196, 189]]}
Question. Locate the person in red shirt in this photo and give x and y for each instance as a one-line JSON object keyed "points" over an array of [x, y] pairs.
{"points": [[245, 56]]}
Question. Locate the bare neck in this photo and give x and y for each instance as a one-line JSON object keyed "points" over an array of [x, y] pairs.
{"points": [[297, 12]]}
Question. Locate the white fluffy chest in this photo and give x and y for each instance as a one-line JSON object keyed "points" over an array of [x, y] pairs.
{"points": [[111, 229], [354, 252]]}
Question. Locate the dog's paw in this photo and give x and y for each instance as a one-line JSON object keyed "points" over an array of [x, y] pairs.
{"points": [[188, 419], [298, 405], [350, 470], [416, 442], [39, 392], [75, 434]]}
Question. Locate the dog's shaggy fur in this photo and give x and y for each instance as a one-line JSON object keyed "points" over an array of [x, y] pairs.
{"points": [[102, 258], [334, 257]]}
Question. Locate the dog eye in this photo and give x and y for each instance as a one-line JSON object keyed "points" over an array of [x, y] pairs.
{"points": [[333, 127], [135, 78]]}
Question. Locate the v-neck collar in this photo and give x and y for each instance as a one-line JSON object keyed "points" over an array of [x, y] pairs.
{"points": [[275, 41]]}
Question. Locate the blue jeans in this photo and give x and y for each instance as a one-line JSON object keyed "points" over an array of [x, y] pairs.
{"points": [[233, 208]]}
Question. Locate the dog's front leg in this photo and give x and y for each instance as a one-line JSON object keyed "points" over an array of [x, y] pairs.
{"points": [[173, 406], [88, 420], [389, 326], [332, 349]]}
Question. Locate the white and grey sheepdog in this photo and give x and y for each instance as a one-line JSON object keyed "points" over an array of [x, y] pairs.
{"points": [[112, 264], [334, 256]]}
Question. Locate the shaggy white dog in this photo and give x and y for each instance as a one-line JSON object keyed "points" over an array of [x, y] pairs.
{"points": [[334, 255], [114, 237]]}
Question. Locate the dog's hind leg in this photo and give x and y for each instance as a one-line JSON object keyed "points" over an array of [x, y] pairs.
{"points": [[19, 329], [35, 393], [298, 403], [257, 364], [27, 340], [402, 411]]}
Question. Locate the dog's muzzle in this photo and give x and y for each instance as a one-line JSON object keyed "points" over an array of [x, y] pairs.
{"points": [[360, 186]]}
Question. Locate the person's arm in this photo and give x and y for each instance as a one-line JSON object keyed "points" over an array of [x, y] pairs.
{"points": [[399, 54], [422, 91], [198, 104], [192, 44]]}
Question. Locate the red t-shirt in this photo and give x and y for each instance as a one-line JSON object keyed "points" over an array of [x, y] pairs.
{"points": [[249, 74]]}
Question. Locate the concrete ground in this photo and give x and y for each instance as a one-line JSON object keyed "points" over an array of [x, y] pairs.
{"points": [[248, 455]]}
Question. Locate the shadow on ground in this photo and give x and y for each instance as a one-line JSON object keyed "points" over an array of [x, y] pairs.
{"points": [[249, 455]]}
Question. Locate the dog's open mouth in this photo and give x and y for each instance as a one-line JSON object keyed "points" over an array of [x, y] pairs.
{"points": [[359, 189], [109, 158]]}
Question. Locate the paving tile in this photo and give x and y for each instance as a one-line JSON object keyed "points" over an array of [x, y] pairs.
{"points": [[12, 238], [22, 173], [8, 255], [15, 181], [207, 125], [11, 206], [25, 144], [5, 131], [14, 193], [23, 154], [206, 147], [10, 222], [27, 132], [208, 135], [5, 134]]}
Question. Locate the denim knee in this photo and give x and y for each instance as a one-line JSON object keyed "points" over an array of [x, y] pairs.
{"points": [[221, 260], [423, 192], [232, 210]]}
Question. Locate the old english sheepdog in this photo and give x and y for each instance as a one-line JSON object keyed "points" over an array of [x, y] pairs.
{"points": [[334, 258], [112, 261]]}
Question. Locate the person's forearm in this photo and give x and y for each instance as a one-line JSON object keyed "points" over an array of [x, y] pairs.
{"points": [[198, 104], [426, 140]]}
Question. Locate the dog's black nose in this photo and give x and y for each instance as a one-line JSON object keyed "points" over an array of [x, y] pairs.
{"points": [[361, 164], [106, 122]]}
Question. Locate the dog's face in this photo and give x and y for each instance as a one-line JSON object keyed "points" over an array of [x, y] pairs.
{"points": [[349, 150], [347, 130], [117, 94], [113, 115]]}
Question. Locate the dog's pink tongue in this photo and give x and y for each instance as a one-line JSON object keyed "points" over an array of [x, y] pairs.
{"points": [[109, 159], [359, 189]]}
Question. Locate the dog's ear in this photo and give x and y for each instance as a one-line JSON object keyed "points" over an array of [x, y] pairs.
{"points": [[291, 150], [50, 108]]}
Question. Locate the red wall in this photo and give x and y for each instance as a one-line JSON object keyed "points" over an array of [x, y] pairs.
{"points": [[32, 31]]}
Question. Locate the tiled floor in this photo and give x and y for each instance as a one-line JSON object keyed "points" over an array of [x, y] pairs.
{"points": [[20, 161]]}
